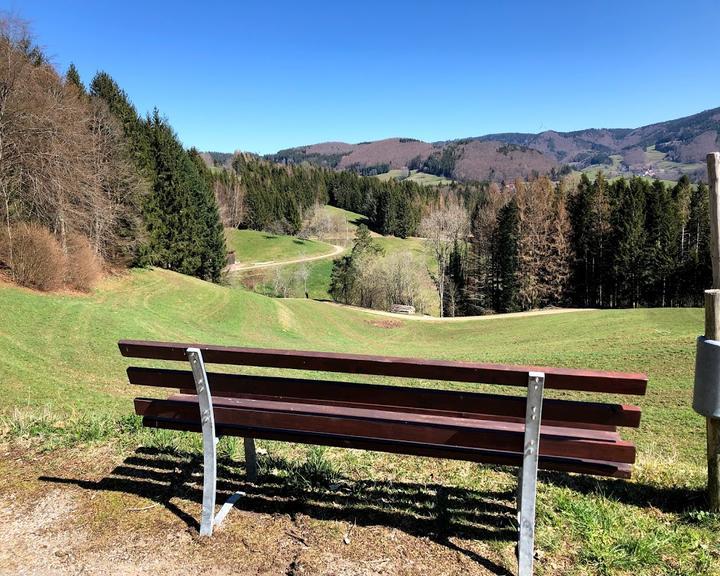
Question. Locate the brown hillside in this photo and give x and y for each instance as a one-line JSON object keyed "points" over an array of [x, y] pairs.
{"points": [[394, 151], [665, 149], [498, 161]]}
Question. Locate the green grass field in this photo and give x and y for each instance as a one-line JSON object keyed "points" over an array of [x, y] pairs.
{"points": [[260, 247], [252, 246], [262, 280], [352, 219], [415, 176], [59, 362], [319, 271]]}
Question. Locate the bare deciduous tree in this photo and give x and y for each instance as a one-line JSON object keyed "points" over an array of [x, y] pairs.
{"points": [[63, 162], [544, 250], [446, 224]]}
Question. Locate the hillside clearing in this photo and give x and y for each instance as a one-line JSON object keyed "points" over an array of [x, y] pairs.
{"points": [[71, 451], [416, 176], [253, 247]]}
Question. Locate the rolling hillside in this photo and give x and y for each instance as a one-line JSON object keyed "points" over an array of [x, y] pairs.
{"points": [[72, 447], [470, 160], [664, 149]]}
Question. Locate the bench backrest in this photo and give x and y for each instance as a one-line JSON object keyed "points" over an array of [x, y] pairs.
{"points": [[580, 413]]}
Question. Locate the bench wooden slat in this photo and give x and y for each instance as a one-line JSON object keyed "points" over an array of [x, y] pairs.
{"points": [[402, 398], [553, 463], [487, 435], [373, 413], [555, 378]]}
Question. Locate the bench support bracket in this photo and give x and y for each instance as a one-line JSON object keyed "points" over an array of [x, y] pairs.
{"points": [[207, 419], [208, 520], [528, 473]]}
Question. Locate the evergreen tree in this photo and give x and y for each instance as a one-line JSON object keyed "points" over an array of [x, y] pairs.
{"points": [[364, 244], [181, 215], [589, 211], [696, 273], [72, 77], [629, 265], [342, 279], [506, 257], [456, 293], [661, 250], [135, 129]]}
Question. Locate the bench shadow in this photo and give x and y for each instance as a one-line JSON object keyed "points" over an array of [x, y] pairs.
{"points": [[668, 499], [441, 513]]}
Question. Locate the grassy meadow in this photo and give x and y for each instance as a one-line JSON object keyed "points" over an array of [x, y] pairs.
{"points": [[65, 395], [416, 176], [253, 246], [257, 247], [261, 280]]}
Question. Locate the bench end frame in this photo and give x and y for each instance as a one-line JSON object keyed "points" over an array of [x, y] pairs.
{"points": [[528, 473], [208, 519], [207, 419]]}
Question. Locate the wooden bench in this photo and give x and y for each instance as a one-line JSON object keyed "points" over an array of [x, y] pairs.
{"points": [[575, 436]]}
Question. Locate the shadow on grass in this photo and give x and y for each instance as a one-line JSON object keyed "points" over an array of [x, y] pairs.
{"points": [[668, 499], [432, 511]]}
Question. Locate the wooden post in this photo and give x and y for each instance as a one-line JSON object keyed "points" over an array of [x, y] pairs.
{"points": [[712, 325]]}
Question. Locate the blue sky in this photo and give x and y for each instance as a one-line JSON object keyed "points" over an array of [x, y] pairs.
{"points": [[265, 75]]}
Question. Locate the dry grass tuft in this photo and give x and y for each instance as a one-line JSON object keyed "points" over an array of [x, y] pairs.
{"points": [[34, 256], [84, 266]]}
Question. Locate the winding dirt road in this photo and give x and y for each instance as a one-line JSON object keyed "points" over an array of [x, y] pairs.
{"points": [[239, 267]]}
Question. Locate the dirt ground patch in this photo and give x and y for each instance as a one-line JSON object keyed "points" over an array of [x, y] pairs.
{"points": [[109, 512], [385, 323]]}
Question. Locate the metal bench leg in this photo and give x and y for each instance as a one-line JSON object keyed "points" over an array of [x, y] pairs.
{"points": [[250, 459], [209, 440], [528, 473]]}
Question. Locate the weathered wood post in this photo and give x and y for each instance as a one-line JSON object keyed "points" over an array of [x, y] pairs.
{"points": [[712, 326]]}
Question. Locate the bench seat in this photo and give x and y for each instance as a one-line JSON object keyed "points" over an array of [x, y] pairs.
{"points": [[472, 437]]}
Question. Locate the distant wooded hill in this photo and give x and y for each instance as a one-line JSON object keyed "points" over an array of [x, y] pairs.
{"points": [[666, 150]]}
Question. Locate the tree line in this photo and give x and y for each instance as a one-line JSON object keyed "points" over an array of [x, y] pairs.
{"points": [[81, 162], [263, 195], [626, 243]]}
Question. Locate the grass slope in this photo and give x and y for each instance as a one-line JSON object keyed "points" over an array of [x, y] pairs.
{"points": [[415, 176], [262, 280], [58, 353], [251, 246], [60, 350]]}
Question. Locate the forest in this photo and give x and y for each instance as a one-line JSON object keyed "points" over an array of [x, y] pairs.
{"points": [[262, 195], [538, 243], [86, 183], [619, 244]]}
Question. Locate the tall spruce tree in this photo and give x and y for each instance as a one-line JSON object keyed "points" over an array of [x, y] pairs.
{"points": [[506, 257], [662, 233], [181, 214], [72, 77], [696, 274], [135, 129], [629, 265], [589, 211]]}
